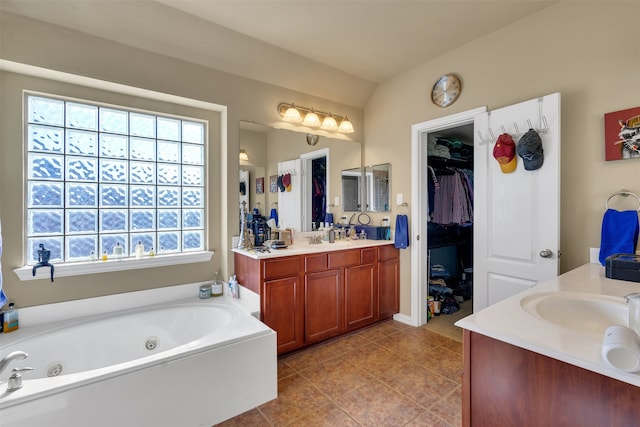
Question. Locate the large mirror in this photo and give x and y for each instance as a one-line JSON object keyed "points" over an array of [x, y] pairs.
{"points": [[310, 166]]}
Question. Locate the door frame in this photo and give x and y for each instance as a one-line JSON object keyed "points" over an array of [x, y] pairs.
{"points": [[419, 176]]}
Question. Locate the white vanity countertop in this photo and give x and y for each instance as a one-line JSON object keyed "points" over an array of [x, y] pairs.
{"points": [[302, 248], [508, 321]]}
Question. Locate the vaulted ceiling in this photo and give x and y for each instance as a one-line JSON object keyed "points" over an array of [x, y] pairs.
{"points": [[334, 49]]}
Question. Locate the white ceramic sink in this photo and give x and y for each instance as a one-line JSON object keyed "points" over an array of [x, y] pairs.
{"points": [[577, 311]]}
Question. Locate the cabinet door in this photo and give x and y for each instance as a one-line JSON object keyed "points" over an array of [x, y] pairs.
{"points": [[389, 287], [282, 311], [360, 296], [323, 305]]}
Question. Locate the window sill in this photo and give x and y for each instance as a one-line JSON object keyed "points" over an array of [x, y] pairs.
{"points": [[92, 267]]}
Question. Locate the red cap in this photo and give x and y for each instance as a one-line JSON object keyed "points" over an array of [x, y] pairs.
{"points": [[505, 153]]}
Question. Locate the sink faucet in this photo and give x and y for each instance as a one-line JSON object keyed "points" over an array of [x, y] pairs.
{"points": [[14, 355]]}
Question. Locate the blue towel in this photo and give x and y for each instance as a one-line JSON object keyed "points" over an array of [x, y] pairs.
{"points": [[3, 297], [274, 215], [402, 232], [619, 233]]}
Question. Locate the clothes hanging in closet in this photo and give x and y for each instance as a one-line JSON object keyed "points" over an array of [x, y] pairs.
{"points": [[451, 200]]}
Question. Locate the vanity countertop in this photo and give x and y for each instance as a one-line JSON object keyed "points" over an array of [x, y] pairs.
{"points": [[303, 248], [508, 321]]}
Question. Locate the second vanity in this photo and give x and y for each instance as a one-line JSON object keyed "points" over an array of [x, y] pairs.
{"points": [[535, 358], [312, 292]]}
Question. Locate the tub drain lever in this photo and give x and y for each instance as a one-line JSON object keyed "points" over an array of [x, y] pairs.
{"points": [[15, 380]]}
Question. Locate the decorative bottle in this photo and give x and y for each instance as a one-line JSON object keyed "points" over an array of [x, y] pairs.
{"points": [[10, 319], [139, 250], [117, 250], [217, 287]]}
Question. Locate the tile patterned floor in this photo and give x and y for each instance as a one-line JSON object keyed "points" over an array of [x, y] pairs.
{"points": [[389, 374]]}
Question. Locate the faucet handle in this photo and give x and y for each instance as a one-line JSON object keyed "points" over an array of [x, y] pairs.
{"points": [[15, 380], [631, 295]]}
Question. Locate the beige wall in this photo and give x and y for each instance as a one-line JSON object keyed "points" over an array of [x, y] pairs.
{"points": [[36, 43], [587, 51]]}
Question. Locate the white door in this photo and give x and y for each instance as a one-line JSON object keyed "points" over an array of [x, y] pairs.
{"points": [[289, 202], [516, 215]]}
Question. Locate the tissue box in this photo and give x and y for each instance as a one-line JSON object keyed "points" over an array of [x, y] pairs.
{"points": [[623, 267]]}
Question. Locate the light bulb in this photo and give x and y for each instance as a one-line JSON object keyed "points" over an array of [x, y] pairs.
{"points": [[311, 119], [346, 126], [292, 115], [329, 123]]}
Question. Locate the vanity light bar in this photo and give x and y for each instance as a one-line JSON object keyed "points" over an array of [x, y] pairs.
{"points": [[310, 117]]}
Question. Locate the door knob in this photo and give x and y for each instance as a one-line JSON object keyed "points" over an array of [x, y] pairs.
{"points": [[546, 253]]}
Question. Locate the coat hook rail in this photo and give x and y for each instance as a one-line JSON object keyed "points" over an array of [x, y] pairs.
{"points": [[543, 128]]}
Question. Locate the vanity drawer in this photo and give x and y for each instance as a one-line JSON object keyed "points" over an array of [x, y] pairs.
{"points": [[388, 252], [281, 267], [344, 258], [368, 255], [316, 262]]}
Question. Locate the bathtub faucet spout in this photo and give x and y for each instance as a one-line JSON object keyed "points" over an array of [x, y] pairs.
{"points": [[14, 355]]}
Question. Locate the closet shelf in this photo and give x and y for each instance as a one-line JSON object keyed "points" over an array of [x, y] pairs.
{"points": [[437, 161]]}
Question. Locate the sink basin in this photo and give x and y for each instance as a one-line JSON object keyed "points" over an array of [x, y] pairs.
{"points": [[577, 311]]}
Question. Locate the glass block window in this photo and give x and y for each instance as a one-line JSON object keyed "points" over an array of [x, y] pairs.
{"points": [[101, 175]]}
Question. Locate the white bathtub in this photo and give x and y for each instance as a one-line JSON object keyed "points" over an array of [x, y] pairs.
{"points": [[181, 363]]}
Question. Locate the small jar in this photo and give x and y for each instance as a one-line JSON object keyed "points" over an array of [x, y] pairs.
{"points": [[205, 291]]}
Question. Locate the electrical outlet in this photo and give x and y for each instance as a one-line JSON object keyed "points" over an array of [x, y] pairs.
{"points": [[399, 199], [594, 255]]}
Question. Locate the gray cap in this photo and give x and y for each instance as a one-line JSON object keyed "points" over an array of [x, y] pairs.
{"points": [[530, 149]]}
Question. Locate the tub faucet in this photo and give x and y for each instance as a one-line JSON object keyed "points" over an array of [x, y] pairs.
{"points": [[14, 355]]}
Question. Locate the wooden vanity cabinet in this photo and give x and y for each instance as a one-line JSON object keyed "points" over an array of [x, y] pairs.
{"points": [[313, 297], [505, 385]]}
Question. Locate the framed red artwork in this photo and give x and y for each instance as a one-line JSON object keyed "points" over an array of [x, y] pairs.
{"points": [[622, 134]]}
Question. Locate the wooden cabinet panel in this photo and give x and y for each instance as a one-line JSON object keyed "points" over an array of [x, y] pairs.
{"points": [[324, 305], [360, 296], [282, 309], [510, 386], [247, 271], [276, 268], [389, 287]]}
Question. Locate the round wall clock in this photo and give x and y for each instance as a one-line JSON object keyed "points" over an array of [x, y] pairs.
{"points": [[446, 90]]}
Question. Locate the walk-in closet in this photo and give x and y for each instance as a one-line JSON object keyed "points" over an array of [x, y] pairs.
{"points": [[449, 225]]}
